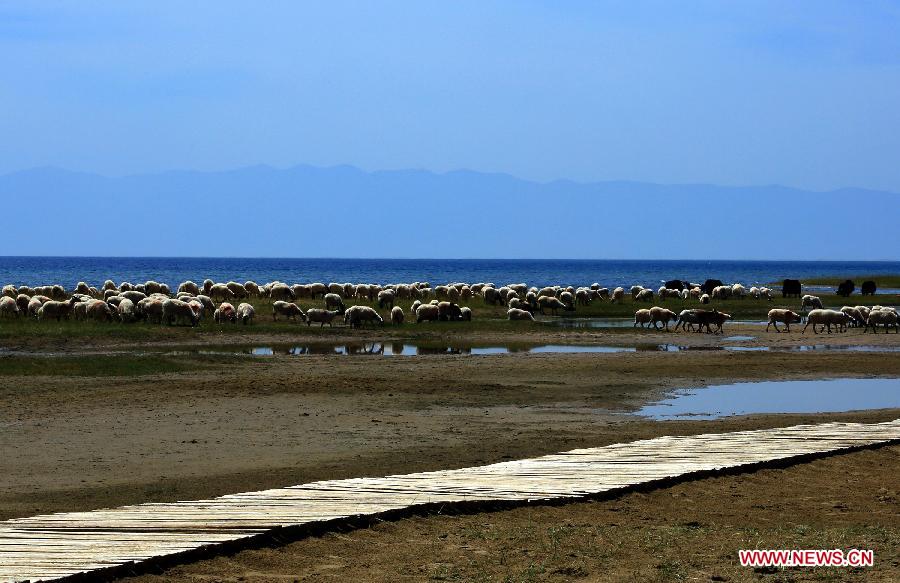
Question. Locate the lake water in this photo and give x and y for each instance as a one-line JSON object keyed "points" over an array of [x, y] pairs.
{"points": [[777, 397], [539, 272]]}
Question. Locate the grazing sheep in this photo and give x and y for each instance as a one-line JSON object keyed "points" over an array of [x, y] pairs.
{"points": [[465, 314], [334, 301], [335, 288], [397, 315], [220, 292], [551, 303], [618, 295], [414, 307], [134, 296], [721, 292], [238, 290], [547, 291], [357, 316], [704, 299], [602, 293], [517, 314], [125, 310], [317, 289], [645, 295], [641, 317], [10, 291], [826, 318], [386, 298], [287, 309], [281, 291], [448, 312], [568, 298], [663, 315], [635, 290], [738, 291], [9, 307], [786, 317], [246, 313], [811, 302], [695, 293], [22, 303], [100, 311], [225, 313], [52, 309], [80, 288], [321, 316], [427, 312], [176, 311], [884, 316], [856, 318], [188, 287], [149, 309], [491, 295]]}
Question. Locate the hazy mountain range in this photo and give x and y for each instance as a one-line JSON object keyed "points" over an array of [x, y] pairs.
{"points": [[342, 211]]}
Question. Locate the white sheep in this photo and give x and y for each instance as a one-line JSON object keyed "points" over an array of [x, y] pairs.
{"points": [[641, 317], [397, 315], [704, 299], [386, 298], [246, 313], [427, 312], [125, 310], [812, 302], [225, 313], [826, 318], [321, 316], [175, 311], [645, 295], [517, 314], [663, 315], [357, 316], [551, 303], [333, 301], [787, 317], [738, 291], [52, 309], [887, 318], [9, 307], [465, 314], [618, 295], [287, 309]]}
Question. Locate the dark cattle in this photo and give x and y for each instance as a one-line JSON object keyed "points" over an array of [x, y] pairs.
{"points": [[791, 288], [846, 288], [868, 288], [705, 318], [675, 284], [709, 284]]}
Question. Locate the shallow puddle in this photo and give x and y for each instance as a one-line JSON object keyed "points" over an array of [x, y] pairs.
{"points": [[819, 396], [407, 349]]}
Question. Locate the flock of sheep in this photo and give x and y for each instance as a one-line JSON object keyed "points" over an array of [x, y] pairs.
{"points": [[155, 302]]}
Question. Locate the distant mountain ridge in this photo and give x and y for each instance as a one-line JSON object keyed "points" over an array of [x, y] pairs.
{"points": [[307, 211]]}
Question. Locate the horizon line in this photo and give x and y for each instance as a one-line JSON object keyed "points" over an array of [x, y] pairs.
{"points": [[432, 172], [273, 258]]}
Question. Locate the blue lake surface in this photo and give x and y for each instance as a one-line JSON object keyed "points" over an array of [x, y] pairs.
{"points": [[818, 396], [610, 273]]}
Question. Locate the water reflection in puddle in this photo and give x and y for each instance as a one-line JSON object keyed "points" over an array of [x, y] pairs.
{"points": [[777, 397], [406, 349]]}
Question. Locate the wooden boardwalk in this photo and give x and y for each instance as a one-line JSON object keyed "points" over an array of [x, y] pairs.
{"points": [[59, 545]]}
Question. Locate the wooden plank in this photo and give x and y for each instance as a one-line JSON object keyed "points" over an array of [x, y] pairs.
{"points": [[54, 546]]}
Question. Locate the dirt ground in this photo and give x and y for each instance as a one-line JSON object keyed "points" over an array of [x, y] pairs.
{"points": [[248, 423]]}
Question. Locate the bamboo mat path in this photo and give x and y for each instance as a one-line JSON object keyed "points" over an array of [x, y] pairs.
{"points": [[65, 544]]}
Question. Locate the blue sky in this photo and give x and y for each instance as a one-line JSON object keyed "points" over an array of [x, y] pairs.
{"points": [[804, 94]]}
